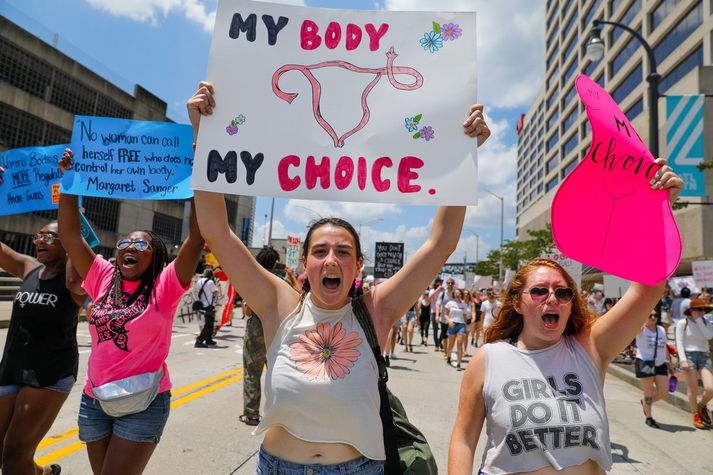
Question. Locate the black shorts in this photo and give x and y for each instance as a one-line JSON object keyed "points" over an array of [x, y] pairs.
{"points": [[661, 370]]}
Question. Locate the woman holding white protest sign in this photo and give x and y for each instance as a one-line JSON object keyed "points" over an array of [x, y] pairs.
{"points": [[126, 399], [40, 359], [540, 373], [321, 387]]}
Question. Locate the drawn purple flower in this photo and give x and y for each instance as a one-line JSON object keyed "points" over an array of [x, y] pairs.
{"points": [[231, 129], [427, 133], [451, 31]]}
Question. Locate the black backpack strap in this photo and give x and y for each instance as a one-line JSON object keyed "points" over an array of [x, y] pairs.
{"points": [[392, 465]]}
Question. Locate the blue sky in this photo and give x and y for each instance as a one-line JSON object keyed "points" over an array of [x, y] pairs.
{"points": [[163, 45]]}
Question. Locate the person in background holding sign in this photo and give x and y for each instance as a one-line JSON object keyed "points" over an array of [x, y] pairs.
{"points": [[692, 335], [207, 293], [131, 322], [652, 365], [541, 372], [321, 387], [40, 359]]}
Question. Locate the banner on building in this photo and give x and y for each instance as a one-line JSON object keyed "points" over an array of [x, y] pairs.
{"points": [[340, 105], [31, 179], [388, 259], [684, 141], [130, 159]]}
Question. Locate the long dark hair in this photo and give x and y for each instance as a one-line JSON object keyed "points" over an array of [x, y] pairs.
{"points": [[338, 222], [508, 323], [159, 260]]}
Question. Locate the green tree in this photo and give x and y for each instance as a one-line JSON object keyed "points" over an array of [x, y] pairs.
{"points": [[515, 252]]}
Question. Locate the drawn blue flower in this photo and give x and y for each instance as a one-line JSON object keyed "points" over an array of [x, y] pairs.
{"points": [[411, 124], [240, 120], [432, 41]]}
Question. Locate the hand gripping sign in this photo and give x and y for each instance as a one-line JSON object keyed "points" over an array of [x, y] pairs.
{"points": [[605, 214]]}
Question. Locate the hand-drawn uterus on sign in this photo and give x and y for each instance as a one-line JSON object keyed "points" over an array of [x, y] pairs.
{"points": [[605, 213], [389, 71]]}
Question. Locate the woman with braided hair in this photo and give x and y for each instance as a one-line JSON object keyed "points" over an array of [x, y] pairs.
{"points": [[130, 326]]}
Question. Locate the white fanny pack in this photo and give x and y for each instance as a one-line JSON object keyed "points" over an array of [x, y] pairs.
{"points": [[128, 395]]}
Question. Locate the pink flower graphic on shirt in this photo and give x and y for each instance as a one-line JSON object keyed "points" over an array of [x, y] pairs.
{"points": [[326, 352]]}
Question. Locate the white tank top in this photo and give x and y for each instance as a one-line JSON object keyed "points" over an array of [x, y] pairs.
{"points": [[547, 403], [321, 381]]}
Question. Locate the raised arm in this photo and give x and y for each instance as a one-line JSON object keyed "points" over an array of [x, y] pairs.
{"points": [[271, 298], [190, 251], [15, 263], [610, 333], [469, 419], [389, 301], [69, 228]]}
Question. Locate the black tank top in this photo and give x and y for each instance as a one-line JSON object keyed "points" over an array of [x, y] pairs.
{"points": [[41, 345]]}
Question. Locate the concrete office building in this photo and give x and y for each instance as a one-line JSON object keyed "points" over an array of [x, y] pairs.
{"points": [[41, 89], [554, 135]]}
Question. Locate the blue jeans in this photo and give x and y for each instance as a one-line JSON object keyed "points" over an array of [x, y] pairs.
{"points": [[456, 329], [698, 360], [146, 426], [63, 385], [268, 464]]}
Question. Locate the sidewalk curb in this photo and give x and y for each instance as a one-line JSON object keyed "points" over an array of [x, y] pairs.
{"points": [[676, 399]]}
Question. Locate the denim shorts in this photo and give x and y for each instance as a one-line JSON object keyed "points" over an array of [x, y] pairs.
{"points": [[146, 426], [456, 329], [699, 360], [268, 464], [64, 386]]}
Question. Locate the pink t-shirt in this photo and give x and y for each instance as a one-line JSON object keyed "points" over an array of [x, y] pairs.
{"points": [[136, 338]]}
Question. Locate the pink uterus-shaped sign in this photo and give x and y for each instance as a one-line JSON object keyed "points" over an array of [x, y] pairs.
{"points": [[389, 71], [605, 214]]}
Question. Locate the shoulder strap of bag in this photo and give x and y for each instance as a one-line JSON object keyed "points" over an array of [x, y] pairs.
{"points": [[202, 287], [387, 419], [656, 344]]}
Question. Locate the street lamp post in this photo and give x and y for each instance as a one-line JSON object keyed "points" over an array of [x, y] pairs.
{"points": [[595, 52], [502, 223]]}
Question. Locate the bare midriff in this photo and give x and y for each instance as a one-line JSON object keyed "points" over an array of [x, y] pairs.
{"points": [[280, 443], [590, 467]]}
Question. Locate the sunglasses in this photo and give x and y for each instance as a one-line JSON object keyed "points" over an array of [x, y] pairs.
{"points": [[564, 295], [654, 317], [139, 244], [46, 237]]}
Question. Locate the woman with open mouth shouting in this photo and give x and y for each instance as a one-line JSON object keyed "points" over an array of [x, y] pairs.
{"points": [[130, 325], [40, 360], [322, 400], [541, 372]]}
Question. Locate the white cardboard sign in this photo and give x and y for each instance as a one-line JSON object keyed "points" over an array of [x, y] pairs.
{"points": [[572, 267], [703, 273], [615, 287], [340, 105]]}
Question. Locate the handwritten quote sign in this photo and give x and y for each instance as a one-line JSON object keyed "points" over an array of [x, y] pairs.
{"points": [[340, 105], [118, 158], [388, 259], [293, 252], [572, 267], [30, 179], [605, 214]]}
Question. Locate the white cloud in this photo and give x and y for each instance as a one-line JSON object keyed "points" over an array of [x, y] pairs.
{"points": [[261, 231], [304, 211], [510, 45], [152, 11]]}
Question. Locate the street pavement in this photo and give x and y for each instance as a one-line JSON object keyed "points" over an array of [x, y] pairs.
{"points": [[204, 436]]}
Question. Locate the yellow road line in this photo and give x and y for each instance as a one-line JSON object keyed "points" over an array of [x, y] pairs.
{"points": [[55, 439], [76, 446]]}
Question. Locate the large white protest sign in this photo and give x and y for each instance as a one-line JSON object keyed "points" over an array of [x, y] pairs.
{"points": [[339, 105], [615, 287]]}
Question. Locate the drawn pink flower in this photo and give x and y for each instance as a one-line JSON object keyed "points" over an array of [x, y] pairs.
{"points": [[326, 352]]}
